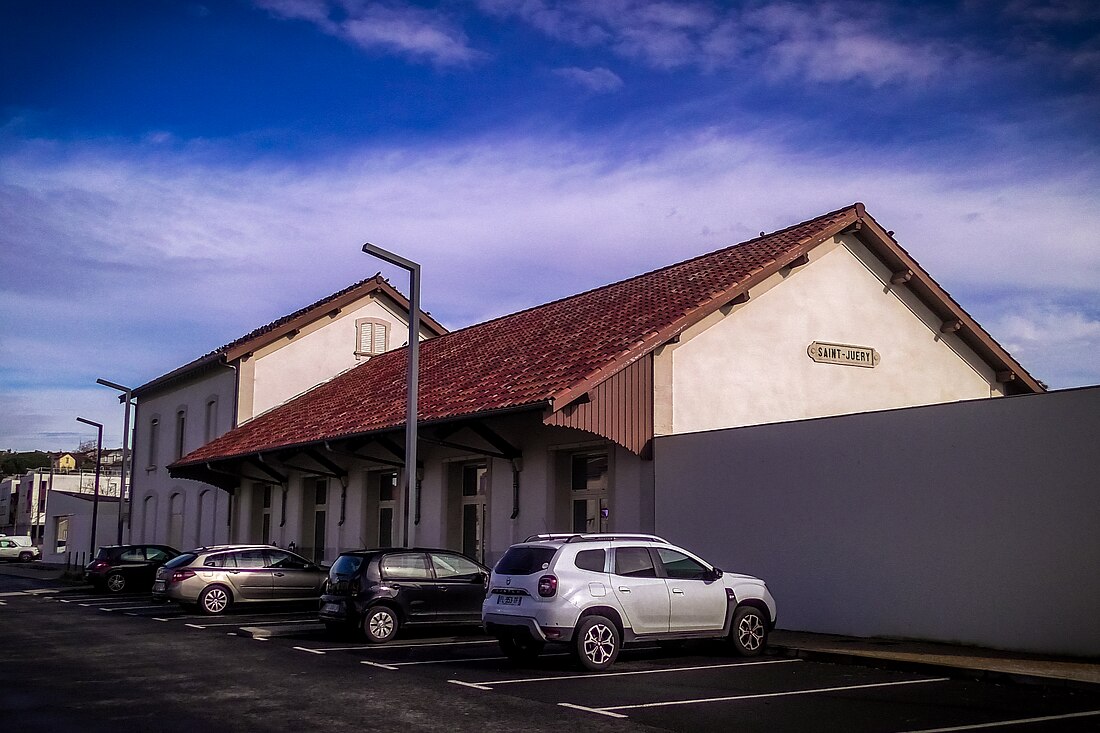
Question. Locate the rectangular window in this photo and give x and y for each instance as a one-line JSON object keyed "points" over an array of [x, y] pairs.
{"points": [[154, 433], [371, 336], [588, 484], [211, 425], [62, 533], [181, 424]]}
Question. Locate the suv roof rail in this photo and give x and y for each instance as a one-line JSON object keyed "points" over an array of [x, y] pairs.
{"points": [[595, 537]]}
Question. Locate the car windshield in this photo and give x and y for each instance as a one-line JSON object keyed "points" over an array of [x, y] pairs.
{"points": [[525, 560], [180, 560], [345, 566]]}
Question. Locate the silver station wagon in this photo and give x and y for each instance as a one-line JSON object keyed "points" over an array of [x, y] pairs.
{"points": [[216, 578]]}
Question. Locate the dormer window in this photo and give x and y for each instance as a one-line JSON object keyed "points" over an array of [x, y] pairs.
{"points": [[371, 337]]}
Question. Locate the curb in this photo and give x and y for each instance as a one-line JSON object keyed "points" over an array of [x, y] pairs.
{"points": [[928, 667]]}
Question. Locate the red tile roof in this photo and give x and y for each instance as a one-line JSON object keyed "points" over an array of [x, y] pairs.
{"points": [[265, 334], [535, 357]]}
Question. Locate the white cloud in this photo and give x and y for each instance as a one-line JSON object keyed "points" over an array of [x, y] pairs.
{"points": [[827, 42], [420, 34], [158, 257], [1054, 338], [598, 80]]}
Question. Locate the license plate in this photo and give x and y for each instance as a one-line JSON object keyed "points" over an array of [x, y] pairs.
{"points": [[509, 600], [330, 608], [158, 585]]}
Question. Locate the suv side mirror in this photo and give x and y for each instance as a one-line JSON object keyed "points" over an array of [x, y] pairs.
{"points": [[714, 574]]}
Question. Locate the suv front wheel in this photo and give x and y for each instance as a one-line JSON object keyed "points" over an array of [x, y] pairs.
{"points": [[597, 643], [750, 631]]}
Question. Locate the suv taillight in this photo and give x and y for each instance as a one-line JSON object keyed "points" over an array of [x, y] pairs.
{"points": [[98, 565], [181, 575], [548, 585]]}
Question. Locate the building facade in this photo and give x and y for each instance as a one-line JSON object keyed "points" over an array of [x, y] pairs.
{"points": [[190, 406], [543, 421]]}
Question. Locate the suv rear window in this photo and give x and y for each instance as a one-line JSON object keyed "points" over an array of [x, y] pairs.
{"points": [[525, 560], [590, 560]]}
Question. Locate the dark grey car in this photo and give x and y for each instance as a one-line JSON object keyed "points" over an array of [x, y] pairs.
{"points": [[218, 577]]}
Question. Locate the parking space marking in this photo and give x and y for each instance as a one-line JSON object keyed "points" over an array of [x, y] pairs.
{"points": [[397, 665], [384, 647], [306, 649], [261, 622], [195, 626], [494, 683], [132, 608], [1019, 721], [611, 709]]}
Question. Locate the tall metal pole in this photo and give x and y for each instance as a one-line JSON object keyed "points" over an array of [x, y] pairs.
{"points": [[95, 496], [127, 396], [413, 378]]}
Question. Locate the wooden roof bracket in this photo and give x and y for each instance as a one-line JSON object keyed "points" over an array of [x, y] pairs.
{"points": [[951, 326], [259, 462], [901, 277]]}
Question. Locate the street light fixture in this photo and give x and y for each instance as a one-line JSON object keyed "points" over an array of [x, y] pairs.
{"points": [[95, 496], [414, 368], [127, 397]]}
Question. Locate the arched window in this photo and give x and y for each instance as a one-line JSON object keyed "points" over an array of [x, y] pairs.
{"points": [[175, 521]]}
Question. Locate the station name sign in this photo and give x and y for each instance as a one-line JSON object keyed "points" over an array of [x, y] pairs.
{"points": [[844, 354]]}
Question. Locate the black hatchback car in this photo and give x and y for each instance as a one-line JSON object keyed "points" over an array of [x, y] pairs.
{"points": [[382, 590], [119, 568]]}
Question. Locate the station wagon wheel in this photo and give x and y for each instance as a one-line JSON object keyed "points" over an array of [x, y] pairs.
{"points": [[597, 643], [750, 631], [25, 557], [380, 624], [116, 582], [214, 600]]}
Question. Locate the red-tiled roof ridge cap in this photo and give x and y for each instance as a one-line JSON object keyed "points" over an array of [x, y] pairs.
{"points": [[680, 263]]}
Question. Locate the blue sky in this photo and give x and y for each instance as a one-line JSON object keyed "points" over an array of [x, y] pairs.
{"points": [[174, 174]]}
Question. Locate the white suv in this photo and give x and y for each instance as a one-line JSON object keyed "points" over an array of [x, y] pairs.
{"points": [[596, 591]]}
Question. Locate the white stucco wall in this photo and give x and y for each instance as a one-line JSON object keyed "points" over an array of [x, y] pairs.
{"points": [[317, 354], [751, 366], [150, 472], [972, 522]]}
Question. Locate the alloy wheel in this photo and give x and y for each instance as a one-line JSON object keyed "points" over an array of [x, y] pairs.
{"points": [[750, 632], [599, 644]]}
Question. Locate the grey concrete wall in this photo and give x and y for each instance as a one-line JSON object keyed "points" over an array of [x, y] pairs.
{"points": [[974, 522]]}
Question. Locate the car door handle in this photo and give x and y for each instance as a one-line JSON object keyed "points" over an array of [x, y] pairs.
{"points": [[677, 591], [624, 589]]}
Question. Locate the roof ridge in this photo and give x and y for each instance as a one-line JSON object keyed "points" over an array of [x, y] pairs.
{"points": [[681, 263]]}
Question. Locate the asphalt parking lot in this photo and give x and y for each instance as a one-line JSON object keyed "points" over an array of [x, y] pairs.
{"points": [[695, 687]]}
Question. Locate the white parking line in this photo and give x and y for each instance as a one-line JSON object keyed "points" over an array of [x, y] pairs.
{"points": [[1019, 721], [494, 683], [255, 623], [311, 651], [610, 710], [131, 608], [384, 647]]}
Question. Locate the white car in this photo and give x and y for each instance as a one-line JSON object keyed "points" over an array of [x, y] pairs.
{"points": [[596, 591], [18, 549]]}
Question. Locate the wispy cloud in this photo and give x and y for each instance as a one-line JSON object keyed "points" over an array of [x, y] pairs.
{"points": [[598, 80], [825, 42], [415, 33]]}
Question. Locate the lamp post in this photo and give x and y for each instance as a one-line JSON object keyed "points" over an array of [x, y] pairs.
{"points": [[414, 369], [95, 496], [127, 397]]}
